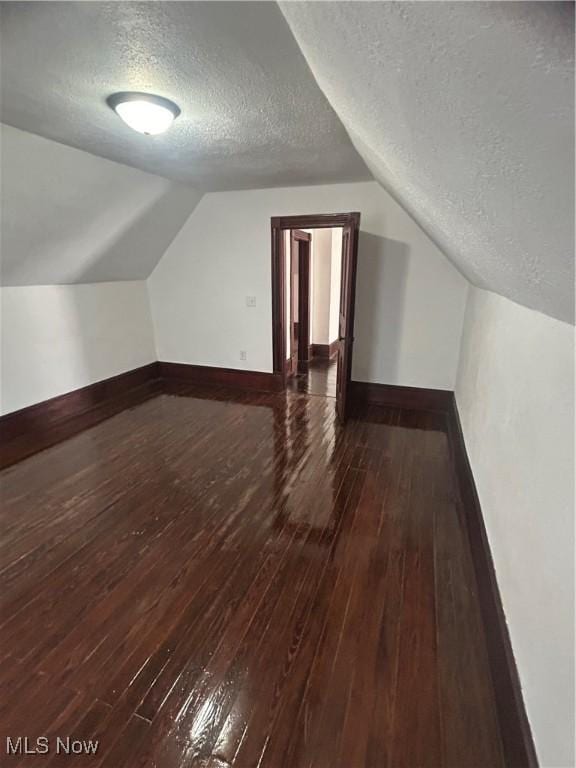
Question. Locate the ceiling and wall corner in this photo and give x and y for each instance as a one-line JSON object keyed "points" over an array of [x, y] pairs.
{"points": [[464, 112], [252, 114], [70, 217]]}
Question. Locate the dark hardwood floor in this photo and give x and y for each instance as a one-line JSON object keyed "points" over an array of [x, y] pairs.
{"points": [[320, 379], [214, 580]]}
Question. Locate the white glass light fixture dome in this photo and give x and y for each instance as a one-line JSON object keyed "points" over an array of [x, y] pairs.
{"points": [[144, 112]]}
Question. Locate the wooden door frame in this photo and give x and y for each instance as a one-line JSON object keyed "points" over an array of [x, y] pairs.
{"points": [[279, 224]]}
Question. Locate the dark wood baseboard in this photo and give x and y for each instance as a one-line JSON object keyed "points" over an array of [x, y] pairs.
{"points": [[41, 425], [234, 378], [413, 398], [326, 351], [519, 751]]}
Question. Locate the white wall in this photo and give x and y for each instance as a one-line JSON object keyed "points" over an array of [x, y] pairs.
{"points": [[320, 277], [55, 339], [515, 396], [335, 276], [410, 299], [71, 217]]}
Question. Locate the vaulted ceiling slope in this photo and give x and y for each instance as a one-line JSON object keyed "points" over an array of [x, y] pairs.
{"points": [[70, 217], [252, 113], [465, 113]]}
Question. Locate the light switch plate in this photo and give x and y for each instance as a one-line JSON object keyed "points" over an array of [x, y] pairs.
{"points": [[250, 301]]}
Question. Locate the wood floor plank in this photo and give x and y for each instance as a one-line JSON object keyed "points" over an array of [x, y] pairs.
{"points": [[213, 578], [463, 668]]}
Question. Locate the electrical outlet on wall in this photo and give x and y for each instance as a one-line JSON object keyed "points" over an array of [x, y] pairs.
{"points": [[250, 301], [242, 355]]}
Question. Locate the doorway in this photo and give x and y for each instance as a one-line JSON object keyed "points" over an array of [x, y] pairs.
{"points": [[325, 366]]}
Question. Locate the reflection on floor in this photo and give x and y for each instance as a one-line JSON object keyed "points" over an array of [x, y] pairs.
{"points": [[213, 579], [320, 379]]}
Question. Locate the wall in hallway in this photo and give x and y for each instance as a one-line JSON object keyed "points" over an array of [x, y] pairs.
{"points": [[325, 251], [410, 299], [515, 396], [320, 280], [335, 275], [57, 338]]}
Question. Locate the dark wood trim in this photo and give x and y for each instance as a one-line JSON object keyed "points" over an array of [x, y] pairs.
{"points": [[324, 350], [414, 398], [346, 315], [278, 304], [304, 238], [235, 378], [517, 741], [29, 430], [316, 221]]}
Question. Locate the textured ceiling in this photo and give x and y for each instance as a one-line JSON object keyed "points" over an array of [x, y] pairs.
{"points": [[465, 113], [252, 113], [70, 217]]}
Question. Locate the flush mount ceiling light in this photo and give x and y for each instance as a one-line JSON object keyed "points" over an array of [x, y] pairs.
{"points": [[144, 112]]}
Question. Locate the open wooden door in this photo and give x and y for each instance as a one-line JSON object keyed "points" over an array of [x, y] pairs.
{"points": [[299, 301], [294, 304], [346, 316]]}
